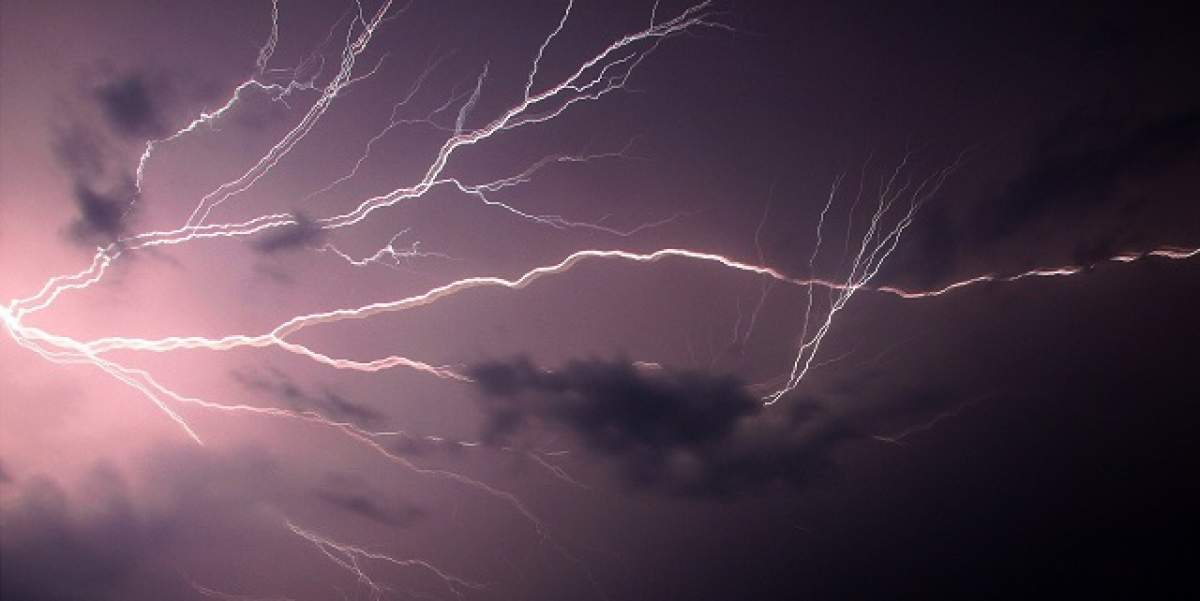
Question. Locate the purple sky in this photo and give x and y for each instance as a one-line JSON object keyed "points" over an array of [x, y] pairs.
{"points": [[824, 299]]}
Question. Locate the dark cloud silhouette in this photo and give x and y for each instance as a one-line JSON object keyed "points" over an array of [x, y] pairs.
{"points": [[303, 232], [352, 495], [1078, 163], [930, 252], [52, 553], [685, 432], [103, 186], [103, 200], [101, 214], [132, 109], [98, 541], [133, 105], [326, 403]]}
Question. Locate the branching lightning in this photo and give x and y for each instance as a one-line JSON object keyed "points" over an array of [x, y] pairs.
{"points": [[897, 205], [351, 558]]}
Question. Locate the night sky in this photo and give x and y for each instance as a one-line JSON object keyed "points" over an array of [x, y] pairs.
{"points": [[597, 300]]}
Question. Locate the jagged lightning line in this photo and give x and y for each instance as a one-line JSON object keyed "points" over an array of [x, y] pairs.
{"points": [[556, 470], [343, 78], [394, 121], [349, 557], [899, 437], [276, 336], [1164, 252], [808, 305], [388, 255], [159, 394], [866, 264], [206, 118], [769, 283], [268, 48]]}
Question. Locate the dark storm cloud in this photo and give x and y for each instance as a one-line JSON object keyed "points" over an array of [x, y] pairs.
{"points": [[132, 108], [101, 213], [52, 553], [98, 543], [616, 406], [133, 105], [274, 273], [102, 201], [685, 432], [80, 151], [327, 403], [298, 235], [1078, 164], [931, 249], [103, 194], [352, 495]]}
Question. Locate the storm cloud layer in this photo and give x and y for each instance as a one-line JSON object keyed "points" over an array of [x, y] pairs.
{"points": [[684, 432]]}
